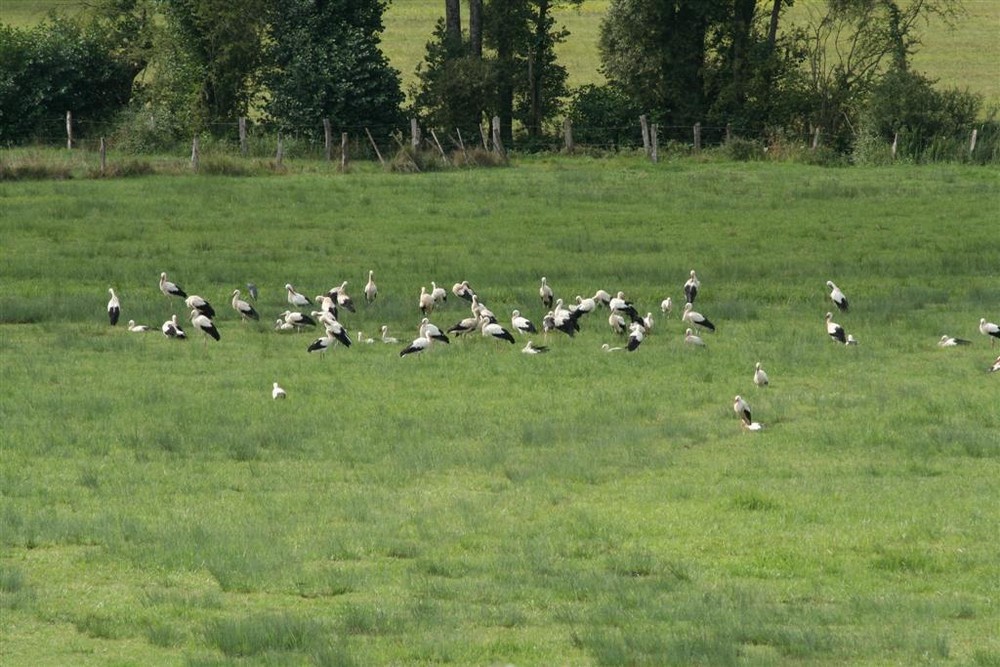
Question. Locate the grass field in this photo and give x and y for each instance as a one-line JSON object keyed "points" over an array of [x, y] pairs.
{"points": [[965, 56], [477, 505]]}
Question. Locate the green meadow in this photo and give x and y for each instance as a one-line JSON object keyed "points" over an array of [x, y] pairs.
{"points": [[474, 505]]}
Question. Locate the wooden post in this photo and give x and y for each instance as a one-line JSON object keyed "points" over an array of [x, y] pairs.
{"points": [[104, 156], [697, 137], [644, 125], [729, 132], [438, 144], [69, 130], [414, 134], [497, 144], [815, 143], [568, 134], [194, 153], [243, 135], [482, 135], [280, 155], [343, 151], [327, 140], [654, 154], [375, 146], [972, 142], [895, 143]]}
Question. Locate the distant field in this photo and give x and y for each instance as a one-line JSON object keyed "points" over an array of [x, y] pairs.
{"points": [[966, 57]]}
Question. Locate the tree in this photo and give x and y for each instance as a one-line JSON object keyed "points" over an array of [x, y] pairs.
{"points": [[325, 62]]}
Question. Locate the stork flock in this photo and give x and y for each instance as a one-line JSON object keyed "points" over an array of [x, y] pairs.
{"points": [[624, 320]]}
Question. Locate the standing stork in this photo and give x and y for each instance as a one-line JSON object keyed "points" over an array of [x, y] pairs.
{"points": [[995, 367], [245, 310], [691, 287], [601, 297], [837, 296], [617, 323], [371, 289], [296, 299], [418, 345], [635, 336], [277, 392], [343, 298], [760, 377], [426, 301], [439, 294], [205, 324], [989, 329], [170, 289], [666, 306], [545, 293], [834, 330], [521, 323], [495, 331], [114, 307], [742, 409], [696, 318], [463, 291], [196, 302], [432, 331], [618, 304]]}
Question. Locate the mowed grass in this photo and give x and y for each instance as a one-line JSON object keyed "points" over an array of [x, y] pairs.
{"points": [[477, 505]]}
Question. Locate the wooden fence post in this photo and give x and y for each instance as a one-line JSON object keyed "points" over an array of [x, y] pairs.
{"points": [[438, 144], [69, 130], [104, 156], [343, 151], [482, 135], [972, 142], [895, 143], [568, 134], [497, 144], [644, 125], [729, 132], [414, 134], [279, 157], [697, 137], [195, 153], [375, 146], [327, 140], [654, 154], [815, 143], [243, 135]]}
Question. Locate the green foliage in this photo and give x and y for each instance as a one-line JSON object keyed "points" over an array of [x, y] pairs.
{"points": [[604, 116], [325, 62], [55, 67]]}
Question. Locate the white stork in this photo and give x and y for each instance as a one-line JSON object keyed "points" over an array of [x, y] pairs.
{"points": [[760, 377], [296, 299], [297, 319], [462, 290], [281, 326], [386, 338], [696, 318], [495, 331], [431, 330], [635, 336], [205, 324], [531, 348], [137, 328], [479, 309], [989, 329], [587, 305], [691, 287], [171, 329], [277, 392], [608, 348], [371, 289], [996, 366], [170, 289], [617, 323], [950, 341], [545, 293], [751, 426], [327, 304], [245, 310], [742, 409], [203, 307], [837, 296], [647, 322], [114, 307], [365, 341], [425, 302], [344, 300], [835, 331], [338, 331], [521, 323], [464, 326], [602, 298], [321, 344], [418, 345], [851, 340], [691, 339], [666, 306], [439, 294], [619, 304]]}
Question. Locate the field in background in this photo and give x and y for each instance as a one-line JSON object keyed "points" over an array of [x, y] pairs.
{"points": [[479, 506], [966, 57]]}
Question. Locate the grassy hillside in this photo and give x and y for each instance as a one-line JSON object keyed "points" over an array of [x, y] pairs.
{"points": [[965, 56], [477, 505]]}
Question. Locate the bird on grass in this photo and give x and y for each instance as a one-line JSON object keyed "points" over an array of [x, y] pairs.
{"points": [[137, 328], [297, 319], [171, 329], [364, 340], [950, 341], [545, 293], [751, 426], [386, 338], [245, 310], [466, 325], [425, 302], [837, 296], [114, 307], [696, 318], [742, 409], [418, 345], [619, 304], [636, 335], [691, 287], [343, 299], [834, 330], [432, 331], [995, 367], [531, 348], [277, 392], [759, 376], [322, 344], [463, 291], [521, 323], [666, 306], [691, 339], [989, 329], [608, 348], [201, 305], [253, 291], [439, 294], [371, 289], [171, 289], [295, 298], [205, 324], [495, 331]]}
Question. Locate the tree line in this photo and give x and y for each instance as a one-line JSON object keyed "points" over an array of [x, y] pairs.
{"points": [[152, 73]]}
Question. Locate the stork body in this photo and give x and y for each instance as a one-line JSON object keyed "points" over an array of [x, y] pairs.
{"points": [[205, 324], [295, 298], [691, 287], [837, 297], [425, 302], [521, 323], [171, 329], [691, 339], [949, 341], [464, 326], [432, 331], [297, 319], [989, 329], [171, 289], [531, 348], [462, 290], [760, 377], [618, 304], [545, 293], [277, 392], [198, 303], [114, 308], [495, 331], [386, 338], [371, 289], [742, 409], [137, 328], [246, 311], [696, 318], [439, 294], [635, 336], [421, 344], [666, 306], [834, 330], [995, 366]]}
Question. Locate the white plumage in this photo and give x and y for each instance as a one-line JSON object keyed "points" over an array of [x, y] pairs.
{"points": [[837, 296], [204, 324], [386, 338], [170, 289], [245, 310], [989, 329], [521, 323], [137, 328], [691, 287], [171, 329], [426, 301], [295, 298], [545, 293], [696, 318], [277, 392], [834, 330], [760, 377], [742, 409], [114, 307], [531, 348], [691, 339], [371, 289], [950, 341], [666, 306]]}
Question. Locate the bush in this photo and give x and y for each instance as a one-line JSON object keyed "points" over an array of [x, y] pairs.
{"points": [[604, 116]]}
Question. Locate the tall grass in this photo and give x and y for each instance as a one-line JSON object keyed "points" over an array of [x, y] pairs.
{"points": [[476, 505]]}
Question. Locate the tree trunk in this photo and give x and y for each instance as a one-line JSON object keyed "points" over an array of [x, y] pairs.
{"points": [[476, 28], [772, 29], [453, 21], [536, 60]]}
